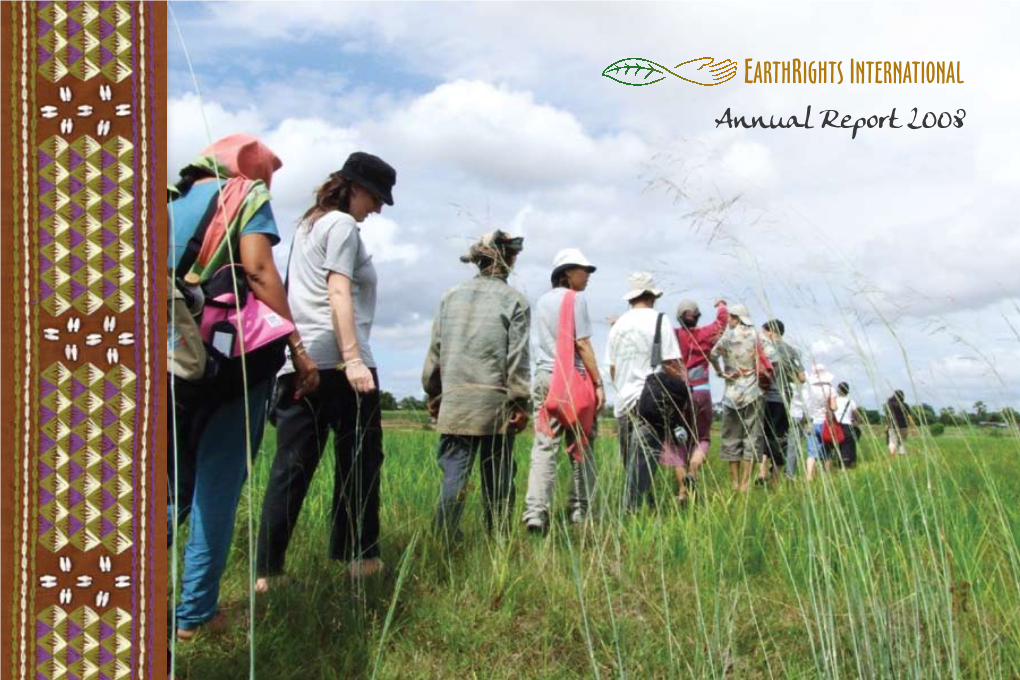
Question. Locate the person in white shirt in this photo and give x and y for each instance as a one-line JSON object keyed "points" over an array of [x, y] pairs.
{"points": [[821, 400], [848, 419], [629, 355], [799, 429]]}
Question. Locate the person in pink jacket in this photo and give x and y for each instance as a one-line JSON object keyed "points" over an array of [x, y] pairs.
{"points": [[696, 343]]}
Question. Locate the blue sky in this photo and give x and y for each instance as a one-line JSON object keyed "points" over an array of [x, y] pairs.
{"points": [[891, 257]]}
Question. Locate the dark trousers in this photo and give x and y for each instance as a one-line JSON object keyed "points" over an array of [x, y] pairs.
{"points": [[644, 446], [302, 428], [777, 426], [623, 437], [848, 447], [457, 455]]}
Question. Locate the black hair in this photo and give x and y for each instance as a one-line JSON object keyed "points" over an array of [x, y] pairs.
{"points": [[646, 296], [189, 175], [775, 326]]}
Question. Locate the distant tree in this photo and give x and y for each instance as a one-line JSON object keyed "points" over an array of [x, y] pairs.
{"points": [[924, 414], [936, 429], [948, 416], [1010, 416], [871, 416], [387, 402], [980, 411], [411, 404]]}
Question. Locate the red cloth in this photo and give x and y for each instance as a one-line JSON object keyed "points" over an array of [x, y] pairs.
{"points": [[571, 398], [697, 343]]}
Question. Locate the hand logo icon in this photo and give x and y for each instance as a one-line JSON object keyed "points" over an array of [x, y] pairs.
{"points": [[706, 71]]}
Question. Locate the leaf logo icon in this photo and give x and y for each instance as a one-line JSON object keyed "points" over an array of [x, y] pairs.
{"points": [[635, 71]]}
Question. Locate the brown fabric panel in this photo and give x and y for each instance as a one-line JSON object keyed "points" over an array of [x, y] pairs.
{"points": [[152, 599]]}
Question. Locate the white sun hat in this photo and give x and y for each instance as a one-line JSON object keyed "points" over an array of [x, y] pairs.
{"points": [[640, 283]]}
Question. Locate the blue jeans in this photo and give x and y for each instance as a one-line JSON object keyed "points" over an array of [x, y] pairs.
{"points": [[816, 448], [210, 473]]}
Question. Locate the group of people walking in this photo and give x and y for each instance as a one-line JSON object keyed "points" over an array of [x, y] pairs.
{"points": [[295, 348]]}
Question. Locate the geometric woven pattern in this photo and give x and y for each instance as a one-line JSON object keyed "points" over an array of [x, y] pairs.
{"points": [[84, 39], [81, 644], [86, 229], [85, 463]]}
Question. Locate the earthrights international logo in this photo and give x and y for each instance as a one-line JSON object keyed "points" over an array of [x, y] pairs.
{"points": [[636, 72]]}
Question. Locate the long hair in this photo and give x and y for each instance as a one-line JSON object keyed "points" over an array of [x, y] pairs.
{"points": [[333, 194]]}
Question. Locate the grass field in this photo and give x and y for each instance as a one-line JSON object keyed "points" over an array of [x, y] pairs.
{"points": [[905, 568]]}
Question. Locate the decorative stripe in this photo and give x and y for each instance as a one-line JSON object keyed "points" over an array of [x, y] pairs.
{"points": [[143, 226], [33, 355], [17, 611], [15, 198], [27, 352], [154, 322]]}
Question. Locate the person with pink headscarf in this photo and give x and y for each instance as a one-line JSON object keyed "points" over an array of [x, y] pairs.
{"points": [[220, 215]]}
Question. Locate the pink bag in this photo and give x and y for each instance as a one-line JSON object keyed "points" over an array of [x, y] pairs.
{"points": [[571, 398], [221, 326]]}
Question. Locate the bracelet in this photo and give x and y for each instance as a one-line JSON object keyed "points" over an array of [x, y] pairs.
{"points": [[352, 362]]}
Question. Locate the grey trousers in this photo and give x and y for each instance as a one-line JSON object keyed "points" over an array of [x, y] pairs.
{"points": [[457, 455], [542, 472]]}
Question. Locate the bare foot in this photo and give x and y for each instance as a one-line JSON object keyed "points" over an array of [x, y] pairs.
{"points": [[364, 568]]}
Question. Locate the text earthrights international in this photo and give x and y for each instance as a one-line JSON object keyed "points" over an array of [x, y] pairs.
{"points": [[797, 72], [831, 118]]}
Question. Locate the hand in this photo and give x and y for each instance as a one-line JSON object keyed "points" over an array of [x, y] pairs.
{"points": [[433, 406], [518, 421], [359, 377], [600, 398], [307, 375], [706, 71]]}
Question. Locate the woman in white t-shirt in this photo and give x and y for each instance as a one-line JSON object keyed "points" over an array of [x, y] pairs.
{"points": [[847, 417], [332, 290]]}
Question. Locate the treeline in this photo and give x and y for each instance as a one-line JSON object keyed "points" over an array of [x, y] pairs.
{"points": [[388, 402], [978, 415]]}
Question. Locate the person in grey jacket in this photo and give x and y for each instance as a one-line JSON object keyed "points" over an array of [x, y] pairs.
{"points": [[477, 378]]}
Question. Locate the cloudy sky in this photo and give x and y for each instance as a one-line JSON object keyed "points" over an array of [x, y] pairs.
{"points": [[891, 257]]}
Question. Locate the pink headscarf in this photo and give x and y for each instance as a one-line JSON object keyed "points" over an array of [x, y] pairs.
{"points": [[245, 156]]}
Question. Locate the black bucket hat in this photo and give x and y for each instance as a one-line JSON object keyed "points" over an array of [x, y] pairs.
{"points": [[371, 172]]}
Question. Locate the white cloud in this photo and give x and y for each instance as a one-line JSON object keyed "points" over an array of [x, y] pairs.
{"points": [[504, 138]]}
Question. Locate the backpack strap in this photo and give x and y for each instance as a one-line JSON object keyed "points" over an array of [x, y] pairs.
{"points": [[198, 236], [657, 342]]}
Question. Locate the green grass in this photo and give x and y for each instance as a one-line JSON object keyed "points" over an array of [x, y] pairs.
{"points": [[905, 568]]}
